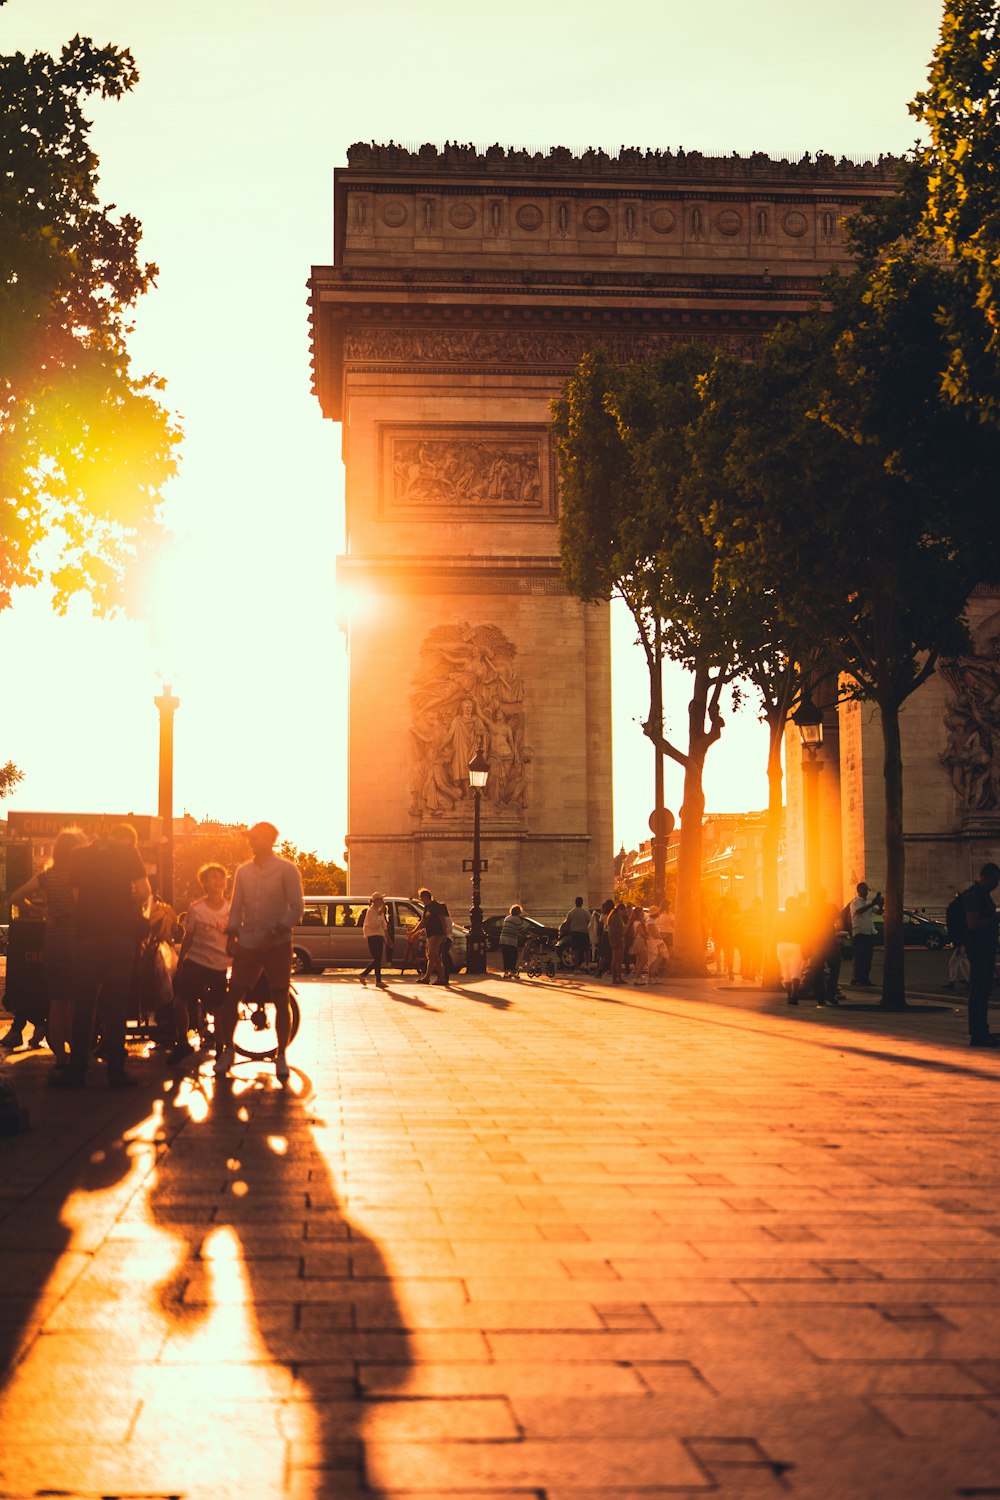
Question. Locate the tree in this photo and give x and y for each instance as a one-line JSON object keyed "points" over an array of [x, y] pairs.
{"points": [[851, 497], [961, 210], [9, 778], [625, 532], [229, 847], [85, 445], [225, 846], [776, 658], [320, 877]]}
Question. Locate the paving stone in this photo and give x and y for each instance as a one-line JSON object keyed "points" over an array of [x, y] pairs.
{"points": [[559, 1249], [611, 1466]]}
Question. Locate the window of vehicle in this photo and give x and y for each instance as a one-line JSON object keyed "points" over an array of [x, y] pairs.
{"points": [[407, 916], [349, 913], [314, 914]]}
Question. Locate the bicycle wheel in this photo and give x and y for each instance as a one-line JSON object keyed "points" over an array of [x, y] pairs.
{"points": [[255, 1035]]}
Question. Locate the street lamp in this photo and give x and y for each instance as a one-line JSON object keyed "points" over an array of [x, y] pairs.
{"points": [[168, 706], [475, 956], [808, 720]]}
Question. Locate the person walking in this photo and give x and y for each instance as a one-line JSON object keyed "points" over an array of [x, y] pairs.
{"points": [[577, 923], [376, 931], [722, 937], [788, 941], [603, 942], [958, 963], [981, 948], [55, 886], [512, 931], [434, 935], [200, 982], [387, 944], [112, 890], [615, 927], [267, 903], [824, 951], [863, 933], [638, 947], [657, 958]]}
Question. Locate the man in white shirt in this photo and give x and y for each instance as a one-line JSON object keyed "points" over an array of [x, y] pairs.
{"points": [[863, 933], [267, 903]]}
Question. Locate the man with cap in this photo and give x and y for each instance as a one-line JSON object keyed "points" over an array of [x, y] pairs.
{"points": [[267, 903]]}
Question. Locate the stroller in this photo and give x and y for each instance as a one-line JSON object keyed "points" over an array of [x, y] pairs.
{"points": [[537, 956]]}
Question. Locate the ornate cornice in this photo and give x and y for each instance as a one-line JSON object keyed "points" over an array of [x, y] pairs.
{"points": [[520, 348], [453, 575], [630, 162]]}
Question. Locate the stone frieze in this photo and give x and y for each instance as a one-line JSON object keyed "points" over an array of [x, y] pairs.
{"points": [[519, 346], [463, 473]]}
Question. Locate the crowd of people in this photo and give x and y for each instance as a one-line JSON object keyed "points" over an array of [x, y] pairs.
{"points": [[99, 911], [100, 917], [616, 941]]}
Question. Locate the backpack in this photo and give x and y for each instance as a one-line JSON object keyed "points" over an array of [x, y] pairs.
{"points": [[955, 921], [845, 919]]}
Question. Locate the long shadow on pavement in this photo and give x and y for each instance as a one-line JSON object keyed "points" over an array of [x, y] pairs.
{"points": [[231, 1306]]}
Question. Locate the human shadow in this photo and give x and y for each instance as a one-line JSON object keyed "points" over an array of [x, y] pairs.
{"points": [[187, 1244], [280, 1274], [413, 1000], [497, 1002], [63, 1186]]}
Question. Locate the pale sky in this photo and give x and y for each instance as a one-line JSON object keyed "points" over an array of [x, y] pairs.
{"points": [[225, 152]]}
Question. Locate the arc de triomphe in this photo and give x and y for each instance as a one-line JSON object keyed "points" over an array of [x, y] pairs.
{"points": [[465, 288]]}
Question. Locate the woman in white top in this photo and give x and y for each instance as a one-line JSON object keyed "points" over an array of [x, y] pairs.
{"points": [[637, 946], [376, 930], [203, 962]]}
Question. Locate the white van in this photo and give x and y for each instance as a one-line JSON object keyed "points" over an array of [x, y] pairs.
{"points": [[330, 935]]}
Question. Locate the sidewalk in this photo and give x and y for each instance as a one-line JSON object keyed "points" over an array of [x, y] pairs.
{"points": [[537, 1239]]}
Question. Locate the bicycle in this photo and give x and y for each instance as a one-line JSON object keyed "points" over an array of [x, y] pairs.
{"points": [[255, 1036]]}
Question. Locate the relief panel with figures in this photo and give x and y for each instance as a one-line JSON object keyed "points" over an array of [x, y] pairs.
{"points": [[474, 472]]}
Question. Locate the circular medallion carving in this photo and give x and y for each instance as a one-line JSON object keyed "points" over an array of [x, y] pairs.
{"points": [[662, 220], [729, 222], [795, 223], [461, 215], [394, 213], [529, 216], [595, 219]]}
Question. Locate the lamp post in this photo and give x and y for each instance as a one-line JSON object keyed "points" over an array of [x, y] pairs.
{"points": [[168, 706], [808, 719], [475, 956]]}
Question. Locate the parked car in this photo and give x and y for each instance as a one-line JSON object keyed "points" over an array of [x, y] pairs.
{"points": [[492, 925], [918, 932], [330, 935]]}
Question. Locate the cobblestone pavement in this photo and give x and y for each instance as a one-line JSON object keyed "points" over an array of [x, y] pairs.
{"points": [[543, 1239]]}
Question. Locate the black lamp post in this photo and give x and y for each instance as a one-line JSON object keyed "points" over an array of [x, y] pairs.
{"points": [[168, 706], [808, 720], [475, 958]]}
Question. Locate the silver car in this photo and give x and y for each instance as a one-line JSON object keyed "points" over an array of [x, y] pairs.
{"points": [[331, 936]]}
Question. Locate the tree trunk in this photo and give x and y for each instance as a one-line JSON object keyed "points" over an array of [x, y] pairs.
{"points": [[656, 715], [689, 936], [894, 978], [770, 970]]}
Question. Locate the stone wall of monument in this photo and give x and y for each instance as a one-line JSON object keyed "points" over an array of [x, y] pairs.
{"points": [[437, 673], [466, 287], [950, 731]]}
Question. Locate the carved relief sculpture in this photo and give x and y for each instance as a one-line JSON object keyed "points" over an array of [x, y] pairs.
{"points": [[467, 694], [972, 719], [436, 471]]}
